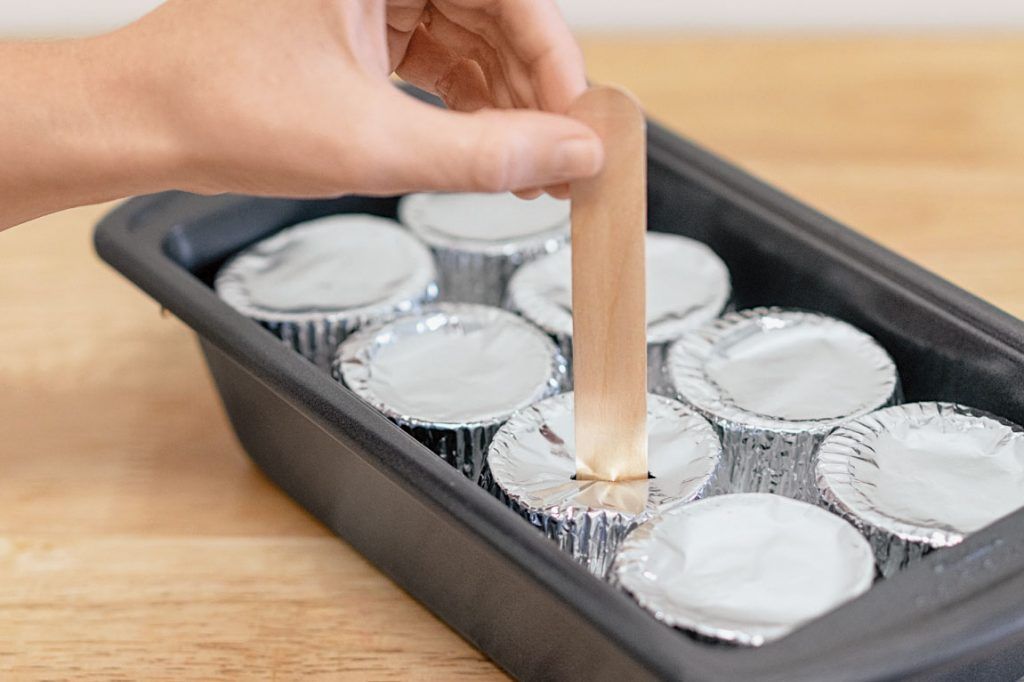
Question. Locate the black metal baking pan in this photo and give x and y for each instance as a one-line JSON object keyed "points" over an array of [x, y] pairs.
{"points": [[490, 575]]}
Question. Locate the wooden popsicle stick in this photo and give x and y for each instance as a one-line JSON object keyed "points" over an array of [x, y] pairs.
{"points": [[609, 340]]}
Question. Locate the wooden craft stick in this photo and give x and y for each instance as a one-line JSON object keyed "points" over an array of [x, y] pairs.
{"points": [[609, 340]]}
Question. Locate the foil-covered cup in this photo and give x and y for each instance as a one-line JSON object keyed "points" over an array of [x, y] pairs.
{"points": [[687, 285], [774, 383], [743, 569], [451, 375], [921, 476], [314, 283], [532, 467], [479, 240]]}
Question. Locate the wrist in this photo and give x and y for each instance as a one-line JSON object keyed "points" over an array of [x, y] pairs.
{"points": [[133, 145]]}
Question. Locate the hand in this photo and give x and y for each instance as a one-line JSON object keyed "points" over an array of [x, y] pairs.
{"points": [[293, 98]]}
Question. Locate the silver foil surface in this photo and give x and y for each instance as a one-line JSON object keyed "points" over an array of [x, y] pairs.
{"points": [[315, 283], [687, 285], [774, 383], [451, 375], [921, 476], [532, 463], [744, 569], [480, 239]]}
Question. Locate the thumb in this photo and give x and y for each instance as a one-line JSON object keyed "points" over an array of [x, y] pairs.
{"points": [[489, 150]]}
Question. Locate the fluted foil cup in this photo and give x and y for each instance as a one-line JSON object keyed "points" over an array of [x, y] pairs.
{"points": [[532, 467], [743, 569], [451, 375], [922, 476], [774, 383], [687, 285], [479, 240], [315, 283]]}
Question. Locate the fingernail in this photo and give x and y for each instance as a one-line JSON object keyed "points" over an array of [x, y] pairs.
{"points": [[577, 158], [529, 194], [559, 191]]}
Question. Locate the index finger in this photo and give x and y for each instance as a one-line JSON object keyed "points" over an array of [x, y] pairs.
{"points": [[536, 34]]}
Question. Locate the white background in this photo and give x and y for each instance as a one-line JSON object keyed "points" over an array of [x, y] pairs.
{"points": [[64, 17]]}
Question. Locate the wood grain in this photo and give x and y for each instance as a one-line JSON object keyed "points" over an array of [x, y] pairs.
{"points": [[137, 542], [609, 341]]}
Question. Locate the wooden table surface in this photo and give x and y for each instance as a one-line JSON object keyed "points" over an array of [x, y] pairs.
{"points": [[136, 540]]}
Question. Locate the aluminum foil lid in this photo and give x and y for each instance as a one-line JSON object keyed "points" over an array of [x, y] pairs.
{"points": [[782, 370], [494, 224], [533, 460], [929, 473], [341, 266], [687, 285], [451, 366], [745, 568]]}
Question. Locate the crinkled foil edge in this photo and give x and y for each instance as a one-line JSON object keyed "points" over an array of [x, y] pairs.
{"points": [[658, 381], [317, 339], [591, 537], [685, 370], [760, 461], [632, 560], [473, 277], [538, 241], [316, 335], [464, 446], [756, 460], [557, 321], [901, 544], [759, 454]]}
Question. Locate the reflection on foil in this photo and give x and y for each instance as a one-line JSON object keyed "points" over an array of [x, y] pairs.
{"points": [[451, 375], [745, 568], [775, 382], [921, 476], [474, 220], [687, 285], [315, 283], [532, 464], [452, 364], [329, 265], [479, 240]]}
